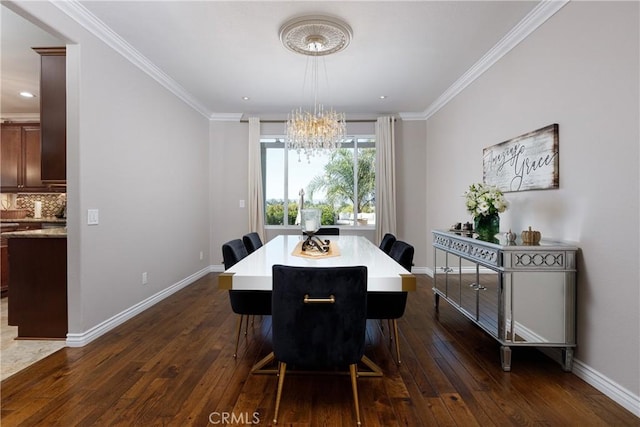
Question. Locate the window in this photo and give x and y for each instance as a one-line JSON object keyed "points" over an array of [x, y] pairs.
{"points": [[340, 183]]}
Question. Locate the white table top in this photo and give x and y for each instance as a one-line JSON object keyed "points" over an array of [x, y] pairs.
{"points": [[254, 272]]}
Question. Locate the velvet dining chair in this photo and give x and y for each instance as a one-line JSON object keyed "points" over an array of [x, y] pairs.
{"points": [[252, 241], [391, 305], [387, 242], [318, 321], [327, 231], [244, 303]]}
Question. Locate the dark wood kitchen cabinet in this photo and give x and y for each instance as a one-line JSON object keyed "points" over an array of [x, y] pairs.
{"points": [[4, 258], [20, 158], [38, 286], [53, 114], [4, 249]]}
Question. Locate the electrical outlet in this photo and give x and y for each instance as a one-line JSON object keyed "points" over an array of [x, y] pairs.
{"points": [[201, 256], [144, 278]]}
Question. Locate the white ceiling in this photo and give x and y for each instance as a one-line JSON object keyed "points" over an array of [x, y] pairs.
{"points": [[217, 52]]}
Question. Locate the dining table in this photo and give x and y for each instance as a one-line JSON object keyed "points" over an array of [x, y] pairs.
{"points": [[254, 272]]}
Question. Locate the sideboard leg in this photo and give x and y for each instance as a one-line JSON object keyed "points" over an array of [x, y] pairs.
{"points": [[567, 359], [505, 358], [436, 301]]}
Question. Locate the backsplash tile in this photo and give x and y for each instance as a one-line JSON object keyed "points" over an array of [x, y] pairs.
{"points": [[51, 203]]}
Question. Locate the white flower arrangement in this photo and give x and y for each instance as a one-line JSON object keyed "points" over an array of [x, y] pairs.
{"points": [[483, 200]]}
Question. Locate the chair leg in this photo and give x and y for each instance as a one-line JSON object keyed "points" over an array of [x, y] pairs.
{"points": [[353, 370], [235, 353], [282, 368], [395, 333]]}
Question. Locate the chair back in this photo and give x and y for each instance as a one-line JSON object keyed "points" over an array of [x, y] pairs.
{"points": [[252, 241], [232, 252], [317, 333], [402, 252], [326, 231], [244, 302], [387, 242]]}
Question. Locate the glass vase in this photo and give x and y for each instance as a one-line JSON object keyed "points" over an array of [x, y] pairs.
{"points": [[487, 226]]}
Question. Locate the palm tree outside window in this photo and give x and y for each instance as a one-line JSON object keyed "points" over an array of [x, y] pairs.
{"points": [[340, 183]]}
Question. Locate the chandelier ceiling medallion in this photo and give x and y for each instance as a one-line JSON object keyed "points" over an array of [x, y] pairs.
{"points": [[315, 36]]}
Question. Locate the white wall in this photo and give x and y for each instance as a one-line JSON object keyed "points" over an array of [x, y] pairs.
{"points": [[411, 184], [229, 184], [139, 155], [580, 70]]}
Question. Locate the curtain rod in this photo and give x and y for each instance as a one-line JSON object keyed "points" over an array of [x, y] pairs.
{"points": [[347, 121]]}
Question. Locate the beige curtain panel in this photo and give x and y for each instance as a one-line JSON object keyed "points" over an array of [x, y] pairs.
{"points": [[385, 177], [255, 203]]}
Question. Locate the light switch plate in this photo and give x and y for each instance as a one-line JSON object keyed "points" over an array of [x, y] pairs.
{"points": [[92, 217]]}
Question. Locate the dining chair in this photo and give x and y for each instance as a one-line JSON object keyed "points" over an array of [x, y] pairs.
{"points": [[252, 241], [387, 242], [244, 303], [326, 231], [319, 321], [391, 305]]}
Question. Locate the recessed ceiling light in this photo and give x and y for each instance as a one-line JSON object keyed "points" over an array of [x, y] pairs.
{"points": [[383, 96], [246, 98], [27, 94]]}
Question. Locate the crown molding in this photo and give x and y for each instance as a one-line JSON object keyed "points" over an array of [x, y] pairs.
{"points": [[76, 11], [412, 116], [538, 16], [225, 117]]}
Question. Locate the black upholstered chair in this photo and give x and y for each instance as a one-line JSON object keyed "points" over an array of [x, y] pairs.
{"points": [[387, 242], [319, 320], [244, 303], [391, 305], [327, 231], [252, 241]]}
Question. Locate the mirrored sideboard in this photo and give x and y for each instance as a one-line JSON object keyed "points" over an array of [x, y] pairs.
{"points": [[522, 295]]}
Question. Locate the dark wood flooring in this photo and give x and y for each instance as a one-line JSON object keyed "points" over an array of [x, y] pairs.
{"points": [[172, 365]]}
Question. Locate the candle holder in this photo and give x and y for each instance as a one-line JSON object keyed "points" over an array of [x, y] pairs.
{"points": [[310, 224]]}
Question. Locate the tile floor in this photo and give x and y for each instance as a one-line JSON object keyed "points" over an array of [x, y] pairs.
{"points": [[16, 355]]}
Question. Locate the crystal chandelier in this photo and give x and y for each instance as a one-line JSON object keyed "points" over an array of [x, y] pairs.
{"points": [[309, 132]]}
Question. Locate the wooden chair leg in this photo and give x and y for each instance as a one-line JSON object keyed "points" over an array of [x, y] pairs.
{"points": [[282, 368], [353, 370], [395, 333], [239, 327]]}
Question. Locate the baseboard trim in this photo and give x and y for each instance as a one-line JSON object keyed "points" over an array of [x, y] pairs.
{"points": [[611, 389], [84, 338]]}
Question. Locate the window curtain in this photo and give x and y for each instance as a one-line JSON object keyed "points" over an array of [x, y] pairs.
{"points": [[385, 177], [255, 202]]}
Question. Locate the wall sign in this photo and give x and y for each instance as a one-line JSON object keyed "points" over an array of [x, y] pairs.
{"points": [[527, 162]]}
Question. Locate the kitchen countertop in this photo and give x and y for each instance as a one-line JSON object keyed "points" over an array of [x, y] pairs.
{"points": [[56, 232], [31, 219]]}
